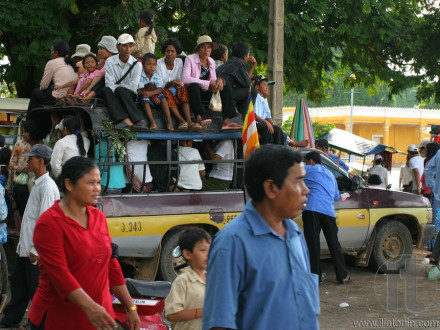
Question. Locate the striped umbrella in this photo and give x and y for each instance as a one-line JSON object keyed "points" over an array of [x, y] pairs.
{"points": [[302, 128]]}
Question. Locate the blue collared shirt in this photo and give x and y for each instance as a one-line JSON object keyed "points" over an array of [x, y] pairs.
{"points": [[433, 168], [323, 190], [258, 279], [339, 161], [156, 79]]}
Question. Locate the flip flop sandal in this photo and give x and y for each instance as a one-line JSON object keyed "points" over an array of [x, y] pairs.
{"points": [[195, 127], [205, 123], [182, 127]]}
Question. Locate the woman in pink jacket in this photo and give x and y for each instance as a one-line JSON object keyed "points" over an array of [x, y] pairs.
{"points": [[200, 78]]}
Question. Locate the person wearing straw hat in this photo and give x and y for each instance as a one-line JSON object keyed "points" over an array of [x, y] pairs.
{"points": [[122, 76], [200, 77], [80, 52]]}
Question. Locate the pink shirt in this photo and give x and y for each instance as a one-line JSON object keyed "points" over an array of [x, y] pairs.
{"points": [[59, 72], [192, 69]]}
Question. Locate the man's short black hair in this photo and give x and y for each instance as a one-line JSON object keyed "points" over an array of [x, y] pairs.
{"points": [[240, 49], [374, 179], [315, 156], [2, 141], [378, 161], [322, 143], [268, 162], [190, 237]]}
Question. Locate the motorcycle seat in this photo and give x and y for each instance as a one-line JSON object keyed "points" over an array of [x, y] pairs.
{"points": [[146, 289]]}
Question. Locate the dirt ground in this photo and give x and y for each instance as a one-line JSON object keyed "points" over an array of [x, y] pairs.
{"points": [[403, 300]]}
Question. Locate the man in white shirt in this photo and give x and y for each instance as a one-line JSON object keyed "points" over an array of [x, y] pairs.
{"points": [[379, 170], [190, 176], [221, 174], [120, 94], [417, 167], [24, 278]]}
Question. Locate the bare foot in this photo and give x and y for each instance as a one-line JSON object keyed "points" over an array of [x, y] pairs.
{"points": [[153, 125], [170, 127], [299, 144]]}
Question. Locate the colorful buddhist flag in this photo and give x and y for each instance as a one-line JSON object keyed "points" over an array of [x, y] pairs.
{"points": [[250, 133]]}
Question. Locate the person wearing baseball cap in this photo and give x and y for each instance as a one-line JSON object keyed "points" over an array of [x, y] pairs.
{"points": [[24, 278], [106, 49], [379, 170], [122, 76], [422, 147], [417, 168]]}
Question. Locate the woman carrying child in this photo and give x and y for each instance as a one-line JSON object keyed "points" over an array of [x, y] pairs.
{"points": [[170, 69], [60, 70], [146, 38]]}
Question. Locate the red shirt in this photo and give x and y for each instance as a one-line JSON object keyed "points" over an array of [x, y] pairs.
{"points": [[72, 257]]}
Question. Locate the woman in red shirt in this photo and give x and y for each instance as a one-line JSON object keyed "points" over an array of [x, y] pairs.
{"points": [[77, 271]]}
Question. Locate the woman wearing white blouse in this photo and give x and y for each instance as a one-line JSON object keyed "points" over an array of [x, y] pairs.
{"points": [[72, 144], [170, 69]]}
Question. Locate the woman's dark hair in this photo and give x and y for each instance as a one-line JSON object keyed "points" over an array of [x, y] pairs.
{"points": [[374, 179], [74, 169], [240, 49], [268, 162], [33, 128], [173, 42], [147, 16], [431, 149], [217, 53], [146, 57], [62, 48], [5, 157], [73, 125], [189, 238], [89, 55]]}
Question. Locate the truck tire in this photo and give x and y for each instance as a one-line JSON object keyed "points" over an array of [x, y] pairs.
{"points": [[170, 256], [392, 247]]}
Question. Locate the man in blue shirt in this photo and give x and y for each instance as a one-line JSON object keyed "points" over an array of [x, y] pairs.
{"points": [[320, 213], [322, 144], [258, 267]]}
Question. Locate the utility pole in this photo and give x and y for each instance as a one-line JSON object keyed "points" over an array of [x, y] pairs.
{"points": [[276, 58]]}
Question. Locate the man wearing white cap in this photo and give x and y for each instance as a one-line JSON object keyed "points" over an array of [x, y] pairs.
{"points": [[379, 170], [122, 75], [417, 167]]}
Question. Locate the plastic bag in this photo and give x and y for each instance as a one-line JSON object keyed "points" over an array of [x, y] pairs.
{"points": [[215, 104], [3, 233], [22, 178], [3, 206], [434, 274]]}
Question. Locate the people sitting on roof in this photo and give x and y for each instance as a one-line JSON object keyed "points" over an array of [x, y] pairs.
{"points": [[106, 49], [81, 51], [237, 78], [150, 92], [122, 75], [221, 174], [220, 55], [200, 78], [190, 175], [269, 132], [74, 143], [322, 144], [58, 71], [170, 69]]}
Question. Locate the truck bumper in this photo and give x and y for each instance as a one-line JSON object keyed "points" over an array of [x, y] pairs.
{"points": [[427, 231]]}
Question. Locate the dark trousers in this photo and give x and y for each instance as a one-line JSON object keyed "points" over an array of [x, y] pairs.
{"points": [[241, 99], [39, 97], [197, 95], [20, 192], [313, 222], [24, 282], [277, 137], [121, 104]]}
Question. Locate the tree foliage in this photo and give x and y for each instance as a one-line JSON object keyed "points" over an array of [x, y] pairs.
{"points": [[388, 41]]}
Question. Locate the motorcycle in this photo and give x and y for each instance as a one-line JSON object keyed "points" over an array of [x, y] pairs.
{"points": [[149, 298]]}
